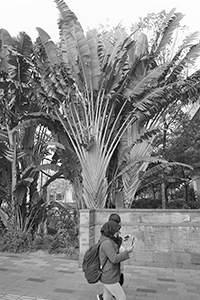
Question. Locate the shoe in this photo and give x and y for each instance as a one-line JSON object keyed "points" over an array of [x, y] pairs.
{"points": [[100, 297]]}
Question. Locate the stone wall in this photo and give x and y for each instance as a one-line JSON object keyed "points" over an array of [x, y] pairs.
{"points": [[164, 238]]}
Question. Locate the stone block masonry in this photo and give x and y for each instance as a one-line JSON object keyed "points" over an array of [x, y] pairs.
{"points": [[164, 238]]}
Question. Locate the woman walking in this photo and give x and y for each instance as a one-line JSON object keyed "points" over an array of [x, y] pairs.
{"points": [[110, 258]]}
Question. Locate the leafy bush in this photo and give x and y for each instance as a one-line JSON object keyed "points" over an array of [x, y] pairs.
{"points": [[61, 238], [194, 204], [147, 204], [57, 243], [156, 204], [181, 204], [13, 240]]}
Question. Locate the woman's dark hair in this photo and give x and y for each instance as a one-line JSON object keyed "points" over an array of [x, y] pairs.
{"points": [[115, 217]]}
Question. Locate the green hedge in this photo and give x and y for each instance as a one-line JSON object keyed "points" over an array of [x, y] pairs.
{"points": [[175, 204]]}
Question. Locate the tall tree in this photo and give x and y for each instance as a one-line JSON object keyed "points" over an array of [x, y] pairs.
{"points": [[99, 87]]}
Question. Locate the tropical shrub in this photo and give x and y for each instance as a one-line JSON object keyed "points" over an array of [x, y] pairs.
{"points": [[63, 239], [12, 240], [174, 204], [146, 204]]}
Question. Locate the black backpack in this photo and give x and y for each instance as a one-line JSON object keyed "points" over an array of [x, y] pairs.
{"points": [[91, 264]]}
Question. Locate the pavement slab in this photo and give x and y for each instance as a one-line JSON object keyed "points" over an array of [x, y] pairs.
{"points": [[41, 276]]}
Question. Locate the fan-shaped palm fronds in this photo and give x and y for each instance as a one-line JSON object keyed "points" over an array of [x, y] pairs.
{"points": [[102, 86]]}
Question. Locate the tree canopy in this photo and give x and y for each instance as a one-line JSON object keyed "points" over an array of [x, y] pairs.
{"points": [[96, 101]]}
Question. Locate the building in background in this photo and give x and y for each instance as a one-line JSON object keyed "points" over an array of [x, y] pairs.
{"points": [[60, 190]]}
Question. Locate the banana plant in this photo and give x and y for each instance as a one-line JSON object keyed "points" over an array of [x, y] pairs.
{"points": [[17, 98]]}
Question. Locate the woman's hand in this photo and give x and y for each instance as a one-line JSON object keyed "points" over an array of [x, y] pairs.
{"points": [[130, 249]]}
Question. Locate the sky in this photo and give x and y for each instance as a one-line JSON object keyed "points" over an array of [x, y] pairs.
{"points": [[26, 15]]}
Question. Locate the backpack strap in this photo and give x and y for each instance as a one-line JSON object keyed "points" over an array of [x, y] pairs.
{"points": [[104, 264], [106, 257]]}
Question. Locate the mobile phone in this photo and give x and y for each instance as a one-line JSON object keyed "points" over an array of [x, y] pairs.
{"points": [[126, 237], [132, 242]]}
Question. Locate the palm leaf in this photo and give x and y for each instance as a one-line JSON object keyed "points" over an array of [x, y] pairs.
{"points": [[141, 46], [50, 47], [20, 190], [27, 180], [84, 55], [151, 101], [189, 40], [25, 45], [6, 43], [192, 55], [188, 60], [66, 14], [145, 136], [9, 154], [95, 66], [59, 145], [172, 24], [4, 136], [138, 86], [148, 159], [4, 217], [68, 39], [5, 37], [28, 171], [131, 182], [161, 167], [167, 19], [69, 49], [131, 169]]}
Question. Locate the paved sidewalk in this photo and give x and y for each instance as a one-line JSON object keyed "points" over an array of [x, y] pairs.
{"points": [[39, 276]]}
